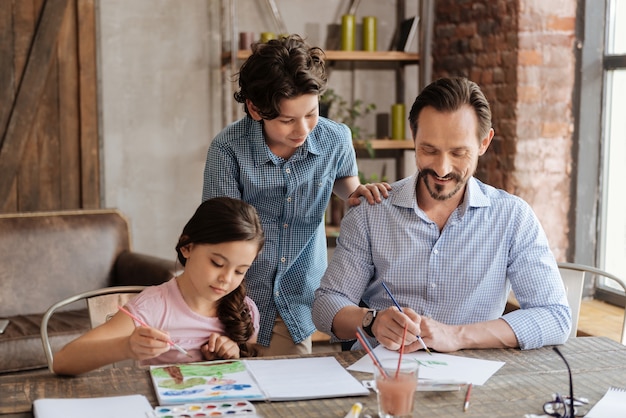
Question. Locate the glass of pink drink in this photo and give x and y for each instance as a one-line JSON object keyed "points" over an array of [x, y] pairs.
{"points": [[396, 393]]}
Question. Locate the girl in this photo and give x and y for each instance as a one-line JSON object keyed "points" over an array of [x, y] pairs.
{"points": [[204, 310]]}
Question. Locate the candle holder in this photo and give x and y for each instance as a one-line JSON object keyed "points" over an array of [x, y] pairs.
{"points": [[348, 32], [397, 121], [369, 33]]}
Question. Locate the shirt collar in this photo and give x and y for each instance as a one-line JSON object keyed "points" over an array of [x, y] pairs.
{"points": [[474, 196], [262, 153]]}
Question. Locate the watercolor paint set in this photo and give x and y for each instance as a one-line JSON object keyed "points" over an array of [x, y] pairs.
{"points": [[207, 409]]}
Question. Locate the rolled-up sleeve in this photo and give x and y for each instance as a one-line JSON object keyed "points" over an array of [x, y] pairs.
{"points": [[544, 317]]}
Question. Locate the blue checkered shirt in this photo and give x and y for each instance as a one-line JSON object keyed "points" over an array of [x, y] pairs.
{"points": [[291, 197], [491, 243]]}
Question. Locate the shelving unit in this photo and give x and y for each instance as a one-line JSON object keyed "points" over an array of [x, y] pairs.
{"points": [[331, 55], [397, 60], [383, 144]]}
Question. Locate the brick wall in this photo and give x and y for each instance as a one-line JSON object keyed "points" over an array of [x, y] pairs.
{"points": [[521, 53]]}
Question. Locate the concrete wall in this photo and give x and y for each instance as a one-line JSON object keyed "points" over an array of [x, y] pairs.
{"points": [[162, 99], [155, 101]]}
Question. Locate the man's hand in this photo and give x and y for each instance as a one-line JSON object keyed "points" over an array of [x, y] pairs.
{"points": [[373, 192], [440, 337], [496, 333], [389, 328]]}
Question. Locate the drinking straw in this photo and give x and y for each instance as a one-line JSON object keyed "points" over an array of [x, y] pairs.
{"points": [[401, 350], [363, 340]]}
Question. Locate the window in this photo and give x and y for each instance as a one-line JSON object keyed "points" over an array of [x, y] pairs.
{"points": [[612, 207]]}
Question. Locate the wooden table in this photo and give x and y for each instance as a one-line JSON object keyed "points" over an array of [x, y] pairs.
{"points": [[521, 386]]}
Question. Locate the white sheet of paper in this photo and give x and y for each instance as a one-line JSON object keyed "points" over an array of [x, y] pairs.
{"points": [[128, 406], [304, 378], [612, 404], [437, 366]]}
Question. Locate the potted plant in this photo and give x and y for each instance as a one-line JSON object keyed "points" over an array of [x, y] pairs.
{"points": [[337, 108]]}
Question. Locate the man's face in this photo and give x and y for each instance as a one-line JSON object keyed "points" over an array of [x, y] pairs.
{"points": [[447, 150]]}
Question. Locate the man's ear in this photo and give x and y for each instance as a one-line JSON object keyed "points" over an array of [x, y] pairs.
{"points": [[253, 110], [484, 143]]}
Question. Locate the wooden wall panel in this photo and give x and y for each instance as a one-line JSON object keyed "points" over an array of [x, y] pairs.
{"points": [[89, 145], [49, 150], [7, 79], [70, 196]]}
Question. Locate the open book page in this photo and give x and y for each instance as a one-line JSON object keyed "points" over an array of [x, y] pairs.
{"points": [[437, 367], [304, 378], [611, 405], [204, 382], [130, 406], [253, 380]]}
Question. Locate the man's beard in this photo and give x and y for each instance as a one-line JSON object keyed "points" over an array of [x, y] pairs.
{"points": [[436, 190]]}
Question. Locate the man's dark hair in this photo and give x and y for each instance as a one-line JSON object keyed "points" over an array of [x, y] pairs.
{"points": [[448, 95]]}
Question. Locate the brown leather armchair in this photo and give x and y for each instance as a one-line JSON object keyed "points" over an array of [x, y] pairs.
{"points": [[48, 256]]}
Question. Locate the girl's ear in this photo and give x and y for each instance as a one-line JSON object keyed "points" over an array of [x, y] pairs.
{"points": [[253, 110], [186, 250]]}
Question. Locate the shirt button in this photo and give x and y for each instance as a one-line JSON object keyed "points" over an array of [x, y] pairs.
{"points": [[283, 259], [289, 199], [435, 251], [277, 293], [433, 285], [285, 226], [288, 170]]}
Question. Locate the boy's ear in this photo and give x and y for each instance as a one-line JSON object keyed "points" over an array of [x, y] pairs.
{"points": [[253, 110]]}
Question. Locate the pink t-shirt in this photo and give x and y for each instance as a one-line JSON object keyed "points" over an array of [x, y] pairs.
{"points": [[164, 308]]}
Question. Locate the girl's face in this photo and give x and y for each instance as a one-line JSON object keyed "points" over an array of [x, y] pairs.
{"points": [[215, 270], [287, 132]]}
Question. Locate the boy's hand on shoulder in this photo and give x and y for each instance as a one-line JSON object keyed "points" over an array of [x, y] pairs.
{"points": [[373, 193], [219, 347]]}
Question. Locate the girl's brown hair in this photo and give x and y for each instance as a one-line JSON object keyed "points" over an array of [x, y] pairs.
{"points": [[218, 220]]}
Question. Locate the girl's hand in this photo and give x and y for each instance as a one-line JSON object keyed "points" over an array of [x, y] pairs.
{"points": [[373, 192], [219, 347], [146, 343]]}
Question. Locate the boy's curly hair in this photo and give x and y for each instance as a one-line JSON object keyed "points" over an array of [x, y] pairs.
{"points": [[282, 68]]}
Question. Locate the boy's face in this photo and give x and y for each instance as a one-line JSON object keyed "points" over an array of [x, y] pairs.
{"points": [[287, 132]]}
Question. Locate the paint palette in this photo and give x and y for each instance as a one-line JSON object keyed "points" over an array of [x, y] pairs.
{"points": [[208, 409]]}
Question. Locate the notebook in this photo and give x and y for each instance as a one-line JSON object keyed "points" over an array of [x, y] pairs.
{"points": [[406, 34], [611, 405], [254, 380]]}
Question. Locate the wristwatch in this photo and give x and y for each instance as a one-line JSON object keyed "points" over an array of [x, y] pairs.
{"points": [[368, 321]]}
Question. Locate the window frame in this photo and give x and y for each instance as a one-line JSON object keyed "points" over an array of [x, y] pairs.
{"points": [[590, 137]]}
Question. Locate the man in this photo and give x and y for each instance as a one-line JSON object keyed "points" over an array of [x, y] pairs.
{"points": [[449, 247]]}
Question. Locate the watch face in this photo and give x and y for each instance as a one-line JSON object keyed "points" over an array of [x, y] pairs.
{"points": [[368, 318]]}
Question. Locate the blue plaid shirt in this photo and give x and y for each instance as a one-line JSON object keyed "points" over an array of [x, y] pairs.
{"points": [[291, 197], [491, 243]]}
